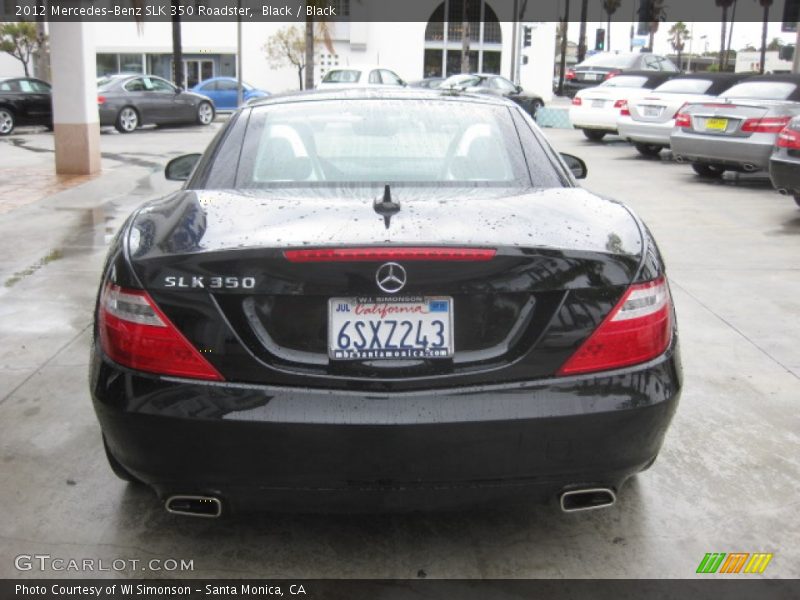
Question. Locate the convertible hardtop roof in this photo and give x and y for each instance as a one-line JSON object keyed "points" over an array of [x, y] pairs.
{"points": [[366, 93], [719, 81]]}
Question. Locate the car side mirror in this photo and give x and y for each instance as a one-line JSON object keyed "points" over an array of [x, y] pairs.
{"points": [[519, 89], [179, 169], [575, 165]]}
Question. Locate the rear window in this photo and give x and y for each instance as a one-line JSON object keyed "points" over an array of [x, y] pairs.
{"points": [[618, 61], [685, 86], [342, 76], [629, 81], [327, 143], [762, 90]]}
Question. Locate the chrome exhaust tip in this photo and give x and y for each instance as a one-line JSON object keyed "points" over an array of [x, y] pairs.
{"points": [[206, 507], [783, 191], [750, 168], [587, 499], [680, 160]]}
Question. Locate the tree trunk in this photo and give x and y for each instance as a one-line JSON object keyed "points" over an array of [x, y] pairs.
{"points": [[300, 77], [309, 54], [607, 47], [652, 37], [582, 34], [464, 38], [722, 54], [42, 56], [764, 39], [177, 48], [563, 51]]}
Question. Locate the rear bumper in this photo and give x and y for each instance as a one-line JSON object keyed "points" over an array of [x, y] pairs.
{"points": [[258, 447], [586, 117], [728, 151], [785, 174], [645, 133]]}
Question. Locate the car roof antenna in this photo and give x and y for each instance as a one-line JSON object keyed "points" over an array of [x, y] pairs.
{"points": [[386, 207]]}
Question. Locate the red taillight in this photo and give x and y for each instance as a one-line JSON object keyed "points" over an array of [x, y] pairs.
{"points": [[683, 120], [765, 125], [378, 254], [611, 74], [570, 74], [101, 100], [789, 138], [639, 328], [136, 334], [680, 111], [622, 105], [576, 101]]}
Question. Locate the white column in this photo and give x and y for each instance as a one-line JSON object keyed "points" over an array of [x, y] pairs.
{"points": [[75, 118]]}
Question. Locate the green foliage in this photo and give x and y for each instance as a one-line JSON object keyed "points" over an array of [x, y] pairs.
{"points": [[20, 40]]}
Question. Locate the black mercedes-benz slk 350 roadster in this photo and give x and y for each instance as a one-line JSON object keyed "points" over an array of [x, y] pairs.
{"points": [[382, 300]]}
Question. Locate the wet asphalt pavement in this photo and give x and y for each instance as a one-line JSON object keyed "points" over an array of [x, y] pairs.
{"points": [[727, 479]]}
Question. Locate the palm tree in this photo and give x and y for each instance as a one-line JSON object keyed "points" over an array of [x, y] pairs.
{"points": [[610, 6], [765, 4], [678, 35], [316, 28], [582, 34], [723, 55], [657, 14]]}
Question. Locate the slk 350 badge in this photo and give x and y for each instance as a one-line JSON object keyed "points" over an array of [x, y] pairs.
{"points": [[212, 283]]}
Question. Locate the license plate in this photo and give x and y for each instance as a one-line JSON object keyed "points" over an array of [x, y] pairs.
{"points": [[652, 111], [716, 124], [591, 76], [390, 328], [598, 103]]}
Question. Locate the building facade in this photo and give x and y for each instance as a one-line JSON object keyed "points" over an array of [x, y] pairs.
{"points": [[413, 50]]}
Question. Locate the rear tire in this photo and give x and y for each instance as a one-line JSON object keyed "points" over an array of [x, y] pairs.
{"points": [[7, 121], [651, 150], [118, 469], [535, 106], [205, 113], [594, 135], [708, 171], [797, 199], [127, 120]]}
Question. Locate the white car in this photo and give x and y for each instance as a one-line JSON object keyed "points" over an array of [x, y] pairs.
{"points": [[595, 110], [360, 76], [650, 118]]}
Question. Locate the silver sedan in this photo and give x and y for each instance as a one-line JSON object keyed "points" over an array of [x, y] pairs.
{"points": [[739, 131]]}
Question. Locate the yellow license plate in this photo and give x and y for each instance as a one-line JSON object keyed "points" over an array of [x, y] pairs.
{"points": [[717, 124]]}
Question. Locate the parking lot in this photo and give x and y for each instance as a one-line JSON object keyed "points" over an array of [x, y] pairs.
{"points": [[727, 479]]}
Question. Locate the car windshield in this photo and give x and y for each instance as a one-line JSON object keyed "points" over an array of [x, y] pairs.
{"points": [[461, 81], [386, 141], [617, 61], [342, 76], [626, 81], [684, 86], [762, 90]]}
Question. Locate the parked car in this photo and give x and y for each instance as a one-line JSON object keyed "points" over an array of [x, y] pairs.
{"points": [[254, 349], [736, 132], [652, 117], [130, 101], [428, 82], [604, 65], [784, 164], [495, 85], [24, 101], [595, 110], [224, 91], [360, 76]]}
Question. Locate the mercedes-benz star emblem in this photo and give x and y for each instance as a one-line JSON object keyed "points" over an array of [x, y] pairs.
{"points": [[391, 277]]}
